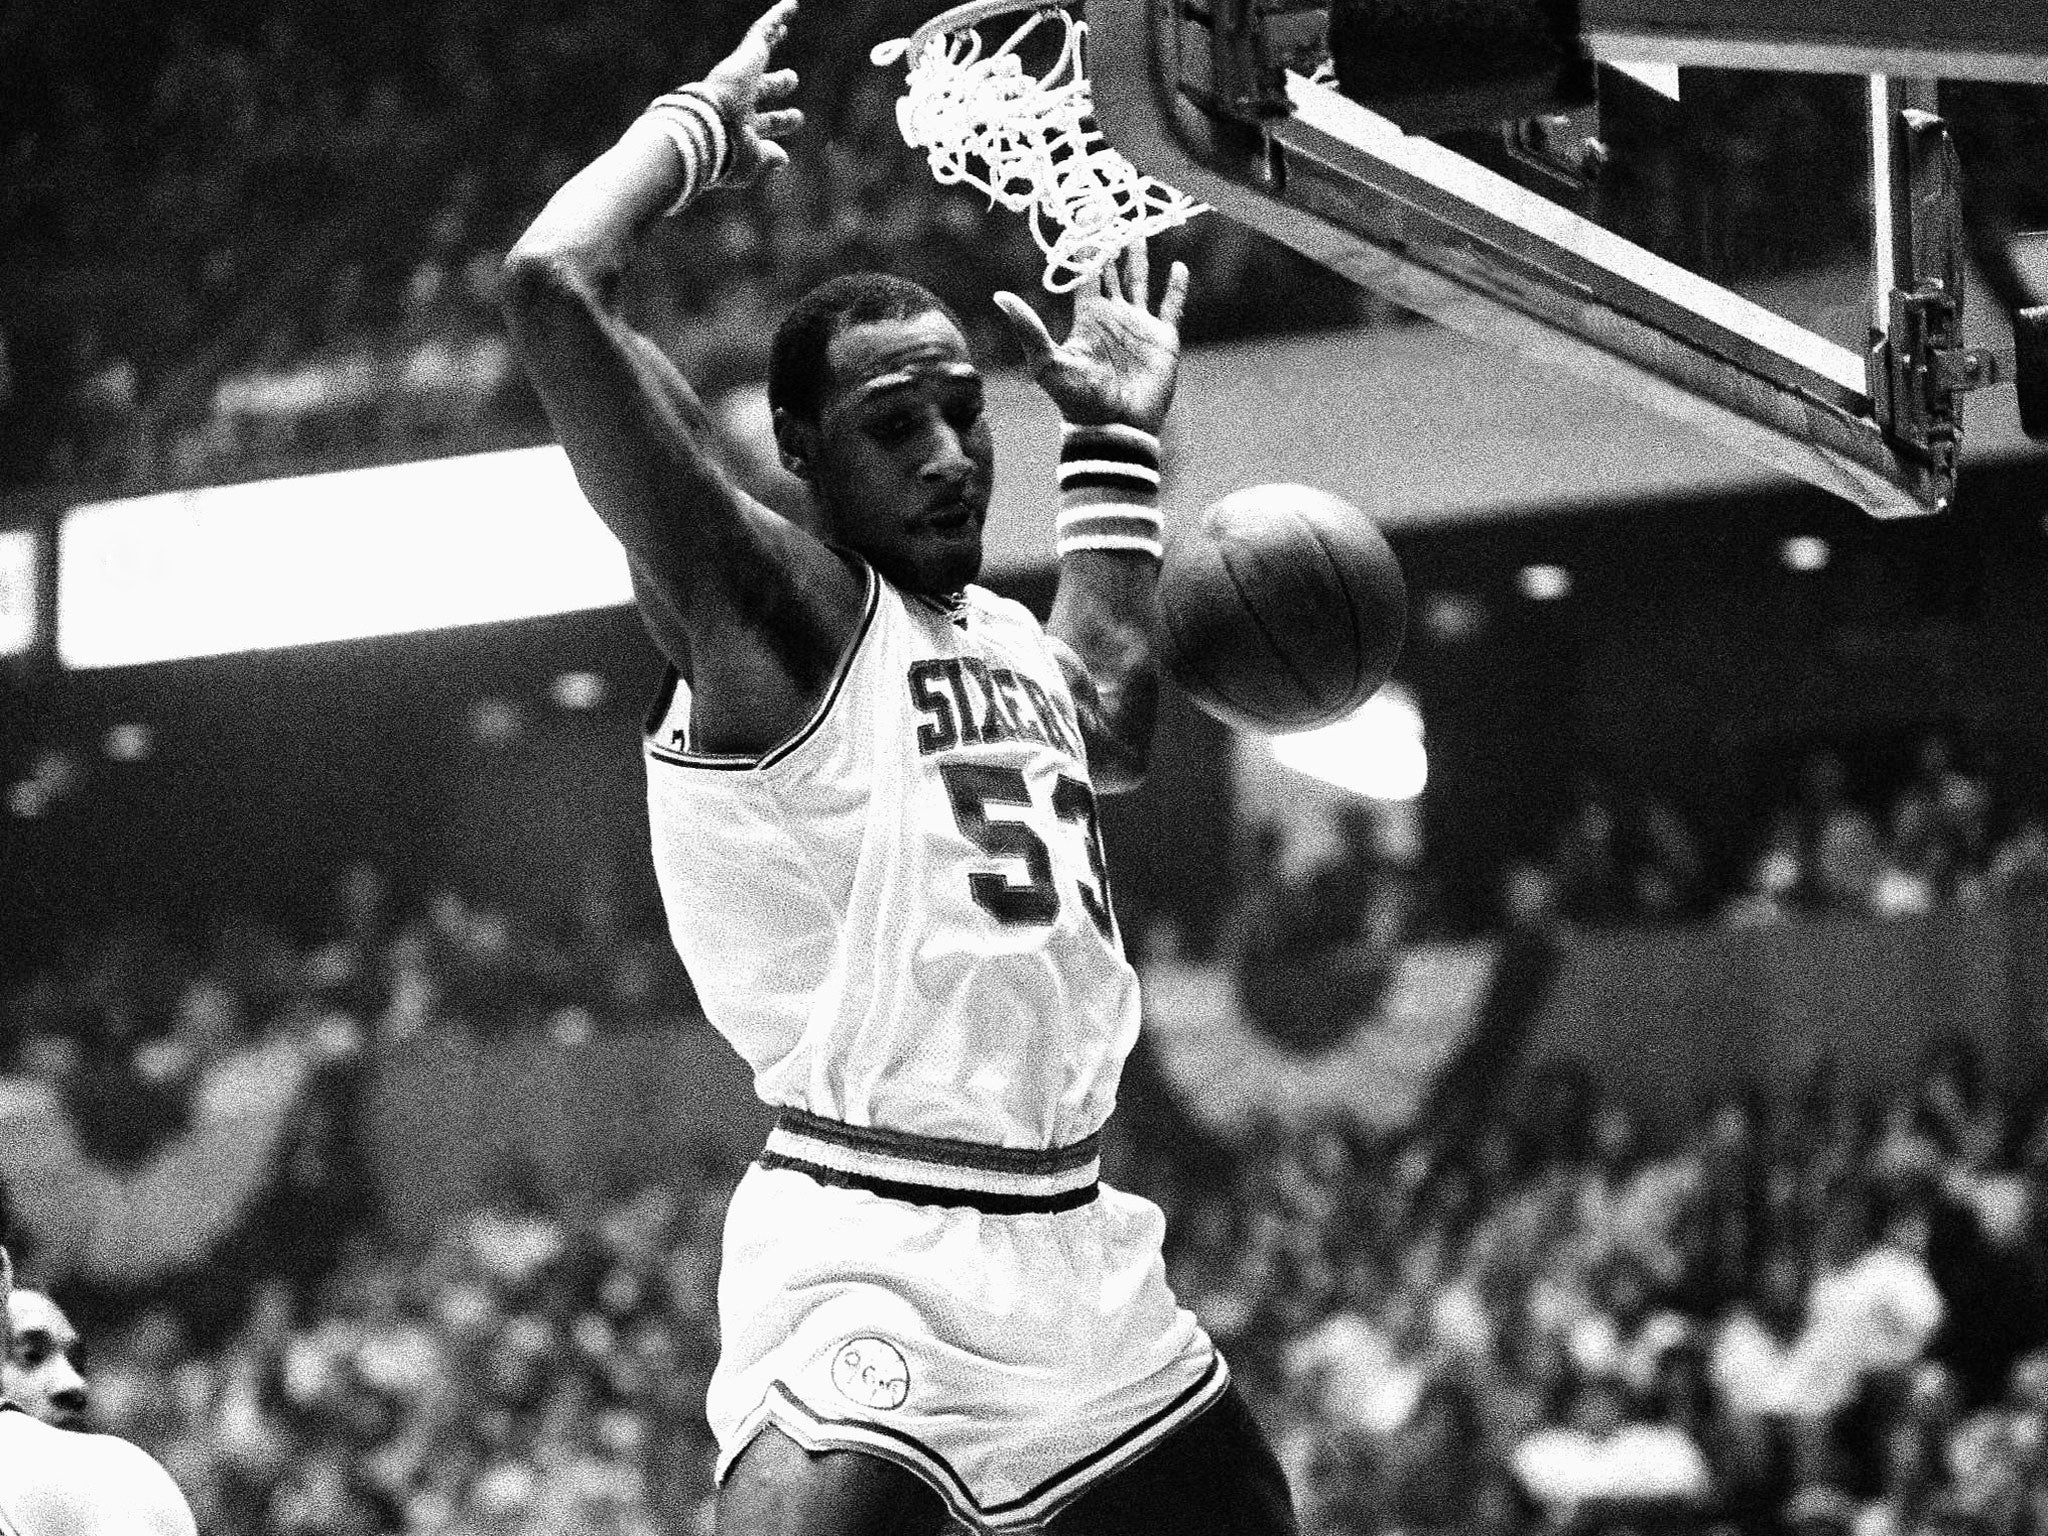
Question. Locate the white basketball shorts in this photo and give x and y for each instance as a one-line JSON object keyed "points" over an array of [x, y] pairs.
{"points": [[996, 1321]]}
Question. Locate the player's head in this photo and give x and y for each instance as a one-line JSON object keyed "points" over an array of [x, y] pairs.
{"points": [[878, 409], [44, 1368]]}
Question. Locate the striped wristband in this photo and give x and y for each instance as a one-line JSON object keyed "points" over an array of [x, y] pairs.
{"points": [[696, 128], [1109, 491]]}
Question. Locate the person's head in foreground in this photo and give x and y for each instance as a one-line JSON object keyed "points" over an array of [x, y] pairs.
{"points": [[95, 1485], [43, 1371]]}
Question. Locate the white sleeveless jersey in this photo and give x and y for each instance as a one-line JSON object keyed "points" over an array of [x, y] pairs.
{"points": [[8, 1527], [901, 917]]}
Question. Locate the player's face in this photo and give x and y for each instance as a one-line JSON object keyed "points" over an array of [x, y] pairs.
{"points": [[904, 459], [44, 1374]]}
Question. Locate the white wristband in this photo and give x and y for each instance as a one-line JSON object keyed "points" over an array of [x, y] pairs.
{"points": [[696, 129], [1109, 492]]}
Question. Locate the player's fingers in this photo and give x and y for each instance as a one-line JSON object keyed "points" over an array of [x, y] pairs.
{"points": [[776, 85], [1029, 330], [779, 124], [772, 25], [1176, 297], [772, 158], [1111, 286], [1137, 272], [768, 30]]}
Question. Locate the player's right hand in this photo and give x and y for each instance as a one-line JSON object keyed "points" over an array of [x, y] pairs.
{"points": [[743, 86], [1120, 361]]}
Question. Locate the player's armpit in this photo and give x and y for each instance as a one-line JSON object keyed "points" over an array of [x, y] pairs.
{"points": [[662, 620]]}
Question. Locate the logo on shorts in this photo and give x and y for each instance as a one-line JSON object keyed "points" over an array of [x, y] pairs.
{"points": [[871, 1372]]}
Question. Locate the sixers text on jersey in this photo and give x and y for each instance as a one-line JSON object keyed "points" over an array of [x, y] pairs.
{"points": [[1013, 707]]}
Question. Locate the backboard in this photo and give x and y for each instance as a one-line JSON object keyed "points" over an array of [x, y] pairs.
{"points": [[1570, 187]]}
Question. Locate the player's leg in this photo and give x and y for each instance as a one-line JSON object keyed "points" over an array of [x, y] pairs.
{"points": [[777, 1488], [1214, 1476]]}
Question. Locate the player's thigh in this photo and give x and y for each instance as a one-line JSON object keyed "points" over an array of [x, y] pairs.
{"points": [[777, 1488], [1214, 1476]]}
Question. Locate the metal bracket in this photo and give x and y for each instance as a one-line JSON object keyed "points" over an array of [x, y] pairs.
{"points": [[1563, 149], [1917, 367], [1246, 48], [1919, 370]]}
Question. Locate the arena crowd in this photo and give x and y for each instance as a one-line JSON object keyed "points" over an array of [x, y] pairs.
{"points": [[1796, 1313], [279, 234], [263, 240], [1856, 835]]}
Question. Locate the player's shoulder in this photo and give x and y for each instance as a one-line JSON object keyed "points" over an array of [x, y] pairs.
{"points": [[1003, 610], [63, 1483]]}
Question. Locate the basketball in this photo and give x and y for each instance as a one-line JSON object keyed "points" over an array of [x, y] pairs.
{"points": [[1281, 608]]}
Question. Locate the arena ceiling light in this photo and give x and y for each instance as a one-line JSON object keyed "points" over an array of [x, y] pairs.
{"points": [[1375, 751], [1544, 583], [471, 540], [17, 590], [1804, 552], [579, 690], [129, 742]]}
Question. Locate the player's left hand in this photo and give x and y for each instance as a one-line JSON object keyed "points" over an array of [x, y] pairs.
{"points": [[744, 88], [1120, 361]]}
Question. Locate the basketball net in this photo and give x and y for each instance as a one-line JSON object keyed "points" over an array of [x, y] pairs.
{"points": [[1028, 141]]}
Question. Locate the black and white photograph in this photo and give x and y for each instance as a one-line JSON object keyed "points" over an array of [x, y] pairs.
{"points": [[1041, 768]]}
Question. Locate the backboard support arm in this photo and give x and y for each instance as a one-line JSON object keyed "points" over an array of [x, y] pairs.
{"points": [[1968, 40], [1485, 257]]}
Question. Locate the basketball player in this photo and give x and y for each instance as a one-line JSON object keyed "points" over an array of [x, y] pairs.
{"points": [[872, 794], [56, 1483], [43, 1371]]}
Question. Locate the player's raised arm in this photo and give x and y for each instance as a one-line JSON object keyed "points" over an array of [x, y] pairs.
{"points": [[717, 572], [1113, 380]]}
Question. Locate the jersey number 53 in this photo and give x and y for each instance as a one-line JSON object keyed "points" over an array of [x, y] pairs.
{"points": [[974, 788]]}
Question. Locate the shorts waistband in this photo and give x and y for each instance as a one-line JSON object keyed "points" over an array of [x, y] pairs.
{"points": [[930, 1170]]}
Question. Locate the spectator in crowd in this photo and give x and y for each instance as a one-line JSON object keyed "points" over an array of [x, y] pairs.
{"points": [[1920, 842], [2019, 866], [1771, 890], [1586, 864], [1848, 860], [1755, 1359], [1599, 1452]]}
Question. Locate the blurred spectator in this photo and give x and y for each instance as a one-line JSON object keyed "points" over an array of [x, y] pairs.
{"points": [[1586, 864], [1874, 1307], [1627, 1334], [1598, 1453], [2019, 867], [1848, 861], [1756, 1350], [1666, 876], [1772, 884], [44, 1375], [104, 399]]}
